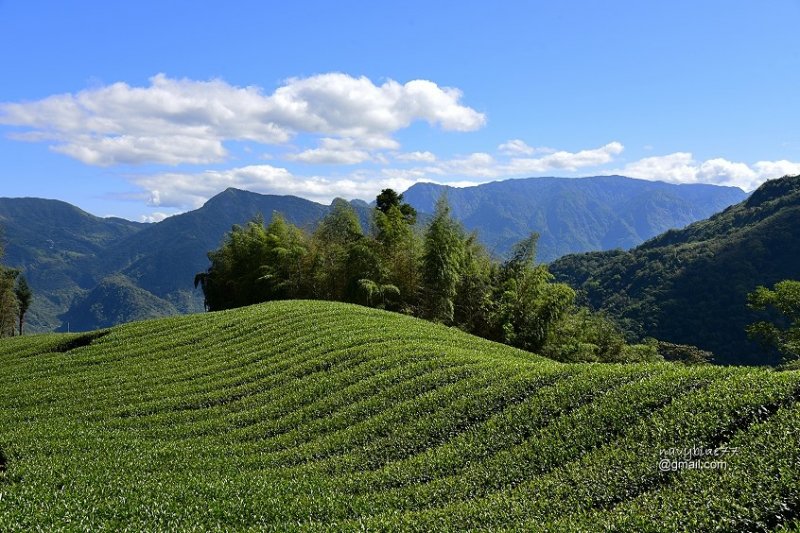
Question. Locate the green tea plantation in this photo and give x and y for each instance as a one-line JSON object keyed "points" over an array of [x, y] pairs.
{"points": [[324, 416]]}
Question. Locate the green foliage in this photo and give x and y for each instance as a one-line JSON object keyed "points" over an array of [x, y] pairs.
{"points": [[312, 416], [399, 248], [584, 336], [9, 300], [236, 276], [527, 304], [784, 333], [286, 254], [388, 199], [472, 306], [682, 353], [377, 295], [333, 254]]}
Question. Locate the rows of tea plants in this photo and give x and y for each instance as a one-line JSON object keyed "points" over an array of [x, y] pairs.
{"points": [[310, 415]]}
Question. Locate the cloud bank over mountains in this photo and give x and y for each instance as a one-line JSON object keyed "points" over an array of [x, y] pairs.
{"points": [[336, 133]]}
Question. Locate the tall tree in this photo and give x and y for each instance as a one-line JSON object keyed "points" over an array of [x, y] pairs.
{"points": [[527, 304], [9, 307], [399, 247], [24, 297], [332, 242], [441, 264], [472, 303], [287, 254]]}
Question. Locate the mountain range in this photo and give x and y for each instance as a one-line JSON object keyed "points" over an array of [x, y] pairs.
{"points": [[83, 268], [574, 215]]}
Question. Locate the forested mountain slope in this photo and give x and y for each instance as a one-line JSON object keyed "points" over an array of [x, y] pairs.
{"points": [[60, 249], [690, 286]]}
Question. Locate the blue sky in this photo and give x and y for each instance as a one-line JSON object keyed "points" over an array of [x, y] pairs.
{"points": [[145, 109]]}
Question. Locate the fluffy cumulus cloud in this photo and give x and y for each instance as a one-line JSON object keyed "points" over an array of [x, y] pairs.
{"points": [[175, 121], [681, 167], [484, 165], [776, 169], [191, 190]]}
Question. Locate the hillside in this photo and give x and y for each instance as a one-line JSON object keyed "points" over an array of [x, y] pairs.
{"points": [[59, 247], [115, 300], [574, 214], [304, 415], [690, 286]]}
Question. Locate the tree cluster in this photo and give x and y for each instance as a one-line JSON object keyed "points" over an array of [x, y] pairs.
{"points": [[15, 300], [437, 272]]}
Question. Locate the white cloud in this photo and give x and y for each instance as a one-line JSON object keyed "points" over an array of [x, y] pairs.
{"points": [[483, 165], [346, 151], [155, 216], [475, 165], [724, 172], [520, 147], [327, 156], [516, 147], [185, 190], [674, 168], [333, 152], [422, 157], [777, 169], [569, 161], [191, 190], [185, 121], [125, 149], [681, 167]]}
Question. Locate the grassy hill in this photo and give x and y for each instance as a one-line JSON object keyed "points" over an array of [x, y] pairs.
{"points": [[298, 415]]}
